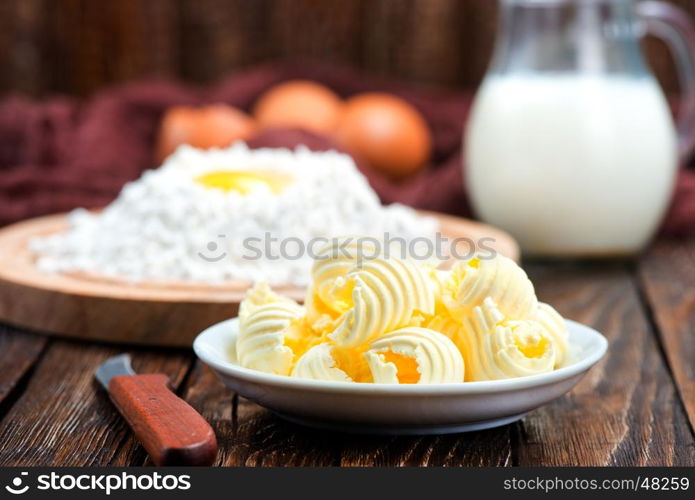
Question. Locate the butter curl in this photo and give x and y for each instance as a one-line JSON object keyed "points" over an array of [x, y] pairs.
{"points": [[437, 358], [472, 281], [261, 341], [556, 327], [386, 294], [318, 364], [496, 347]]}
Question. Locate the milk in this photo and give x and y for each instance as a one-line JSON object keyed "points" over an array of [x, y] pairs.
{"points": [[571, 165]]}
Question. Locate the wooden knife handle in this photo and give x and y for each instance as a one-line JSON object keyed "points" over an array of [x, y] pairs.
{"points": [[171, 431]]}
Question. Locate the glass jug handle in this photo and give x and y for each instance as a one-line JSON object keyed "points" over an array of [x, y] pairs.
{"points": [[674, 27]]}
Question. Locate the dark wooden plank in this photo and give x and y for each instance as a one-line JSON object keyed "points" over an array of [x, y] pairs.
{"points": [[483, 448], [79, 46], [626, 411], [667, 275], [249, 435], [64, 418], [20, 350], [22, 25]]}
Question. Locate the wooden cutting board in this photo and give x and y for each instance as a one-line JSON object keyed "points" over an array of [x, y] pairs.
{"points": [[150, 313]]}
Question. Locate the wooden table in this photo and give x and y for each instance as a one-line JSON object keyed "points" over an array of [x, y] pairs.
{"points": [[637, 407]]}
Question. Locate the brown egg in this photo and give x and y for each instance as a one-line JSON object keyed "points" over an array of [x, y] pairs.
{"points": [[212, 126], [386, 132], [301, 104]]}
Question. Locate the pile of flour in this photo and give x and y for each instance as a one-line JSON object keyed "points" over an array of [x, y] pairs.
{"points": [[166, 226]]}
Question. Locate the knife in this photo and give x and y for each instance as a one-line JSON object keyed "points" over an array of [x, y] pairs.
{"points": [[171, 431]]}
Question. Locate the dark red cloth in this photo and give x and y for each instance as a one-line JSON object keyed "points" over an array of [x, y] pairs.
{"points": [[60, 154]]}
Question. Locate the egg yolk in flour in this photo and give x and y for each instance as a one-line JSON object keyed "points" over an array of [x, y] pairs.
{"points": [[243, 182]]}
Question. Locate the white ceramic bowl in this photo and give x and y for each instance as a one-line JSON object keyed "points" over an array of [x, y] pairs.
{"points": [[398, 409]]}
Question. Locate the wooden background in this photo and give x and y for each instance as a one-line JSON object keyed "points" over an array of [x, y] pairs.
{"points": [[78, 46]]}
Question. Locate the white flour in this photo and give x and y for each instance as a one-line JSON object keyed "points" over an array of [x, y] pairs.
{"points": [[167, 226]]}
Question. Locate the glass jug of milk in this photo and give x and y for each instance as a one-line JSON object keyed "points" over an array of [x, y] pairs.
{"points": [[571, 146]]}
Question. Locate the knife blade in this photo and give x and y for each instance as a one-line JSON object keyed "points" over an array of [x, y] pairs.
{"points": [[171, 431], [113, 367]]}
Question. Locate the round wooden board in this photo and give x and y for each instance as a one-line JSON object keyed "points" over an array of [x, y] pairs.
{"points": [[149, 313]]}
